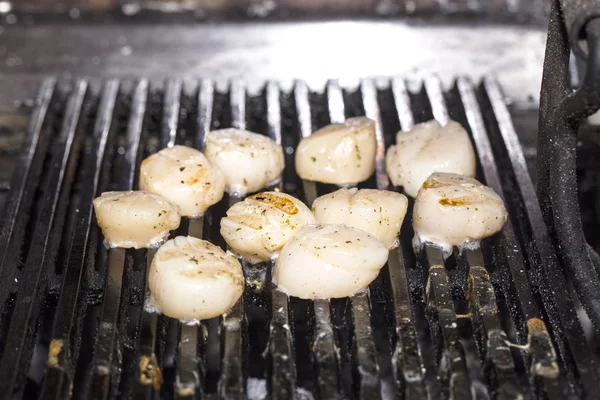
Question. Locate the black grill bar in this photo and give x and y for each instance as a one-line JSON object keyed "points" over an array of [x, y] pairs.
{"points": [[150, 364], [18, 346], [405, 115], [556, 298], [104, 361], [231, 382], [323, 341], [438, 289], [305, 122], [538, 339], [61, 357], [440, 300], [187, 381], [283, 372], [484, 309], [19, 196], [171, 113], [149, 376], [407, 356], [188, 374], [363, 346], [205, 110], [482, 299]]}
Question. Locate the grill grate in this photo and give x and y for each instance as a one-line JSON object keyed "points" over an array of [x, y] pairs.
{"points": [[73, 319]]}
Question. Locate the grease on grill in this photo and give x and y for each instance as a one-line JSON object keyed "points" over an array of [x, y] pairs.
{"points": [[56, 346], [150, 373]]}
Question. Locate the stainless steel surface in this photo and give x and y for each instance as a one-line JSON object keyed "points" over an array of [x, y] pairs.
{"points": [[282, 51]]}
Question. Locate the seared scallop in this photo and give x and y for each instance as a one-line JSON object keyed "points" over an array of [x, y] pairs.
{"points": [[455, 210], [192, 279], [184, 176], [428, 148], [258, 227], [329, 261], [135, 219], [377, 212], [341, 154], [249, 161]]}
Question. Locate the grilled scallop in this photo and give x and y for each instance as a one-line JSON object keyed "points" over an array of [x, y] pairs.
{"points": [[428, 148], [258, 227], [135, 219], [455, 210], [342, 154], [377, 212], [192, 279], [329, 261], [249, 161], [184, 176]]}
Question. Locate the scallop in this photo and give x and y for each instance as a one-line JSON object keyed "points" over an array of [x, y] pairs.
{"points": [[456, 210], [428, 148], [249, 161], [341, 154], [192, 279], [258, 227], [377, 212], [329, 261], [184, 176], [135, 219]]}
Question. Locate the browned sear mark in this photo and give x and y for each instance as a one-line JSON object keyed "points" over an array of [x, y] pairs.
{"points": [[455, 202], [285, 205]]}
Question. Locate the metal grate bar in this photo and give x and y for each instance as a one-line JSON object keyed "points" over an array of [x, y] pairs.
{"points": [[541, 349], [556, 292], [404, 111], [439, 299], [490, 171], [238, 104], [438, 286], [134, 133], [483, 307], [19, 339], [150, 376], [323, 341], [407, 356], [402, 102], [283, 373], [187, 380], [483, 300], [171, 112], [60, 358], [364, 346], [231, 382], [205, 109], [22, 190], [305, 123], [433, 87], [149, 372], [369, 97], [107, 340]]}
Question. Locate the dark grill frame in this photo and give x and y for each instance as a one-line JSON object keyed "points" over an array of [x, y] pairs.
{"points": [[453, 321]]}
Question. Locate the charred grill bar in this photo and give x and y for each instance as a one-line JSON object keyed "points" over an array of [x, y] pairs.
{"points": [[419, 321]]}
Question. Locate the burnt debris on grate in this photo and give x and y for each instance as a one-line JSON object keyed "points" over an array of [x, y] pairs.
{"points": [[484, 323]]}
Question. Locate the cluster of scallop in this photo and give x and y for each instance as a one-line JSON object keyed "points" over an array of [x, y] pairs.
{"points": [[333, 250]]}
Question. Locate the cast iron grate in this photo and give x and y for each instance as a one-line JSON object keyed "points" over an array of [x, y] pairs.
{"points": [[73, 322]]}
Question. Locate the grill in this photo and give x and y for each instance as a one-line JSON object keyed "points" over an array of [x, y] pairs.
{"points": [[73, 319]]}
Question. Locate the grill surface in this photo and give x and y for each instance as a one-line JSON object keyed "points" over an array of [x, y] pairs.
{"points": [[73, 321]]}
